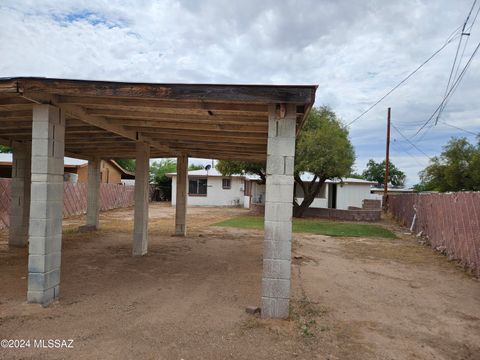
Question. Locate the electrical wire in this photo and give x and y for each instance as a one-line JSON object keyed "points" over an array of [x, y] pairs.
{"points": [[398, 147], [459, 128], [451, 91], [456, 67], [449, 40], [408, 140]]}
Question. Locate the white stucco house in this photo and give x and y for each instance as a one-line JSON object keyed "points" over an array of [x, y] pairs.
{"points": [[334, 194], [211, 188]]}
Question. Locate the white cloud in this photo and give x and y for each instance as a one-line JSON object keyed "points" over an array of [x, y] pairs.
{"points": [[354, 50]]}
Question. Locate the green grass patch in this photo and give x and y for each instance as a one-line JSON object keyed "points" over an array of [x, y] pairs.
{"points": [[314, 226]]}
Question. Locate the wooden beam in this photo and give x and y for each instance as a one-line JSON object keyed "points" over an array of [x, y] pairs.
{"points": [[204, 133], [266, 94], [16, 114], [227, 156], [193, 125], [78, 112], [126, 114], [218, 145], [8, 86], [165, 138], [164, 105]]}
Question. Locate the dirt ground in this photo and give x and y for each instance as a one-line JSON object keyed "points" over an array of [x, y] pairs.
{"points": [[353, 298]]}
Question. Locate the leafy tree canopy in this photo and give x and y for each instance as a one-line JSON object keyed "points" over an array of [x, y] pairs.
{"points": [[456, 169], [127, 164], [356, 175], [376, 172], [5, 149], [323, 148], [158, 171], [230, 167]]}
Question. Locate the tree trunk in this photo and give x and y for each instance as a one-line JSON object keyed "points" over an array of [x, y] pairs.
{"points": [[309, 194]]}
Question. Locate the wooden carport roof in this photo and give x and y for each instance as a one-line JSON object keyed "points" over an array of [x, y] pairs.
{"points": [[107, 118]]}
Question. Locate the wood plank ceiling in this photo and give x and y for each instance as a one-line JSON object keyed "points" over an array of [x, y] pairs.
{"points": [[107, 118]]}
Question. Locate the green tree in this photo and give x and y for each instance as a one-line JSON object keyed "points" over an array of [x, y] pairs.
{"points": [[376, 172], [456, 169], [158, 171], [356, 175], [5, 149], [323, 149], [231, 167], [127, 164]]}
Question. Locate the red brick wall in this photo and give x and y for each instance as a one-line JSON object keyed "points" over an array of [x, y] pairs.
{"points": [[449, 222]]}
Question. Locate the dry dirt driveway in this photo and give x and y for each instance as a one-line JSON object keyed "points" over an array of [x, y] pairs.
{"points": [[353, 298]]}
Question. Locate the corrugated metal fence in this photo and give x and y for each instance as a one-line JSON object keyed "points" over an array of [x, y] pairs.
{"points": [[112, 196], [451, 222]]}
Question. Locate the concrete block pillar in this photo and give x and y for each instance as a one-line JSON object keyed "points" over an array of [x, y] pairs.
{"points": [[20, 193], [46, 205], [181, 198], [93, 195], [278, 211], [140, 226]]}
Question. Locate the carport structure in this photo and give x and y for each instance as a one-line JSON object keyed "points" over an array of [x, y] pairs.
{"points": [[45, 119]]}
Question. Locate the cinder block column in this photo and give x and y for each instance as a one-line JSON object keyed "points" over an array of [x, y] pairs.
{"points": [[140, 226], [278, 212], [93, 195], [20, 193], [46, 206], [181, 198]]}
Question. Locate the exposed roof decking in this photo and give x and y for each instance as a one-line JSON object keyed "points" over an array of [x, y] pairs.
{"points": [[107, 118]]}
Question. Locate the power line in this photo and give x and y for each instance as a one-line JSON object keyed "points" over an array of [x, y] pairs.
{"points": [[455, 67], [442, 123], [459, 128], [408, 140], [466, 42], [409, 154], [452, 89], [449, 40]]}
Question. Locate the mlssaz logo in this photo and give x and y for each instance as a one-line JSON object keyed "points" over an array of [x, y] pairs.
{"points": [[53, 343]]}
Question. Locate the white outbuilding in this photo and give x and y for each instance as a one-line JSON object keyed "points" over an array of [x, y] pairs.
{"points": [[211, 188]]}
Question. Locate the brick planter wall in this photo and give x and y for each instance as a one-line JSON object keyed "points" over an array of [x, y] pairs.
{"points": [[332, 214], [346, 215], [257, 209], [369, 204]]}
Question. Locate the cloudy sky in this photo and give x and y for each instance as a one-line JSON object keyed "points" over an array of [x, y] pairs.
{"points": [[354, 50]]}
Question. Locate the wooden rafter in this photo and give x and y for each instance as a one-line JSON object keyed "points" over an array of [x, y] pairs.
{"points": [[107, 118]]}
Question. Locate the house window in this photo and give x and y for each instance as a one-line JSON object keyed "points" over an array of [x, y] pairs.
{"points": [[322, 192], [226, 184], [197, 187], [320, 195]]}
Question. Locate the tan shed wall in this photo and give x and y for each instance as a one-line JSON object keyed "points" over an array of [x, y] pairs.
{"points": [[82, 173], [109, 173]]}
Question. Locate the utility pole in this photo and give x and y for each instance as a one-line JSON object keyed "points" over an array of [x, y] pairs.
{"points": [[387, 161]]}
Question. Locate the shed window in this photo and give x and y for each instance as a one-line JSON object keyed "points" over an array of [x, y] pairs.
{"points": [[321, 194], [197, 186], [226, 184]]}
